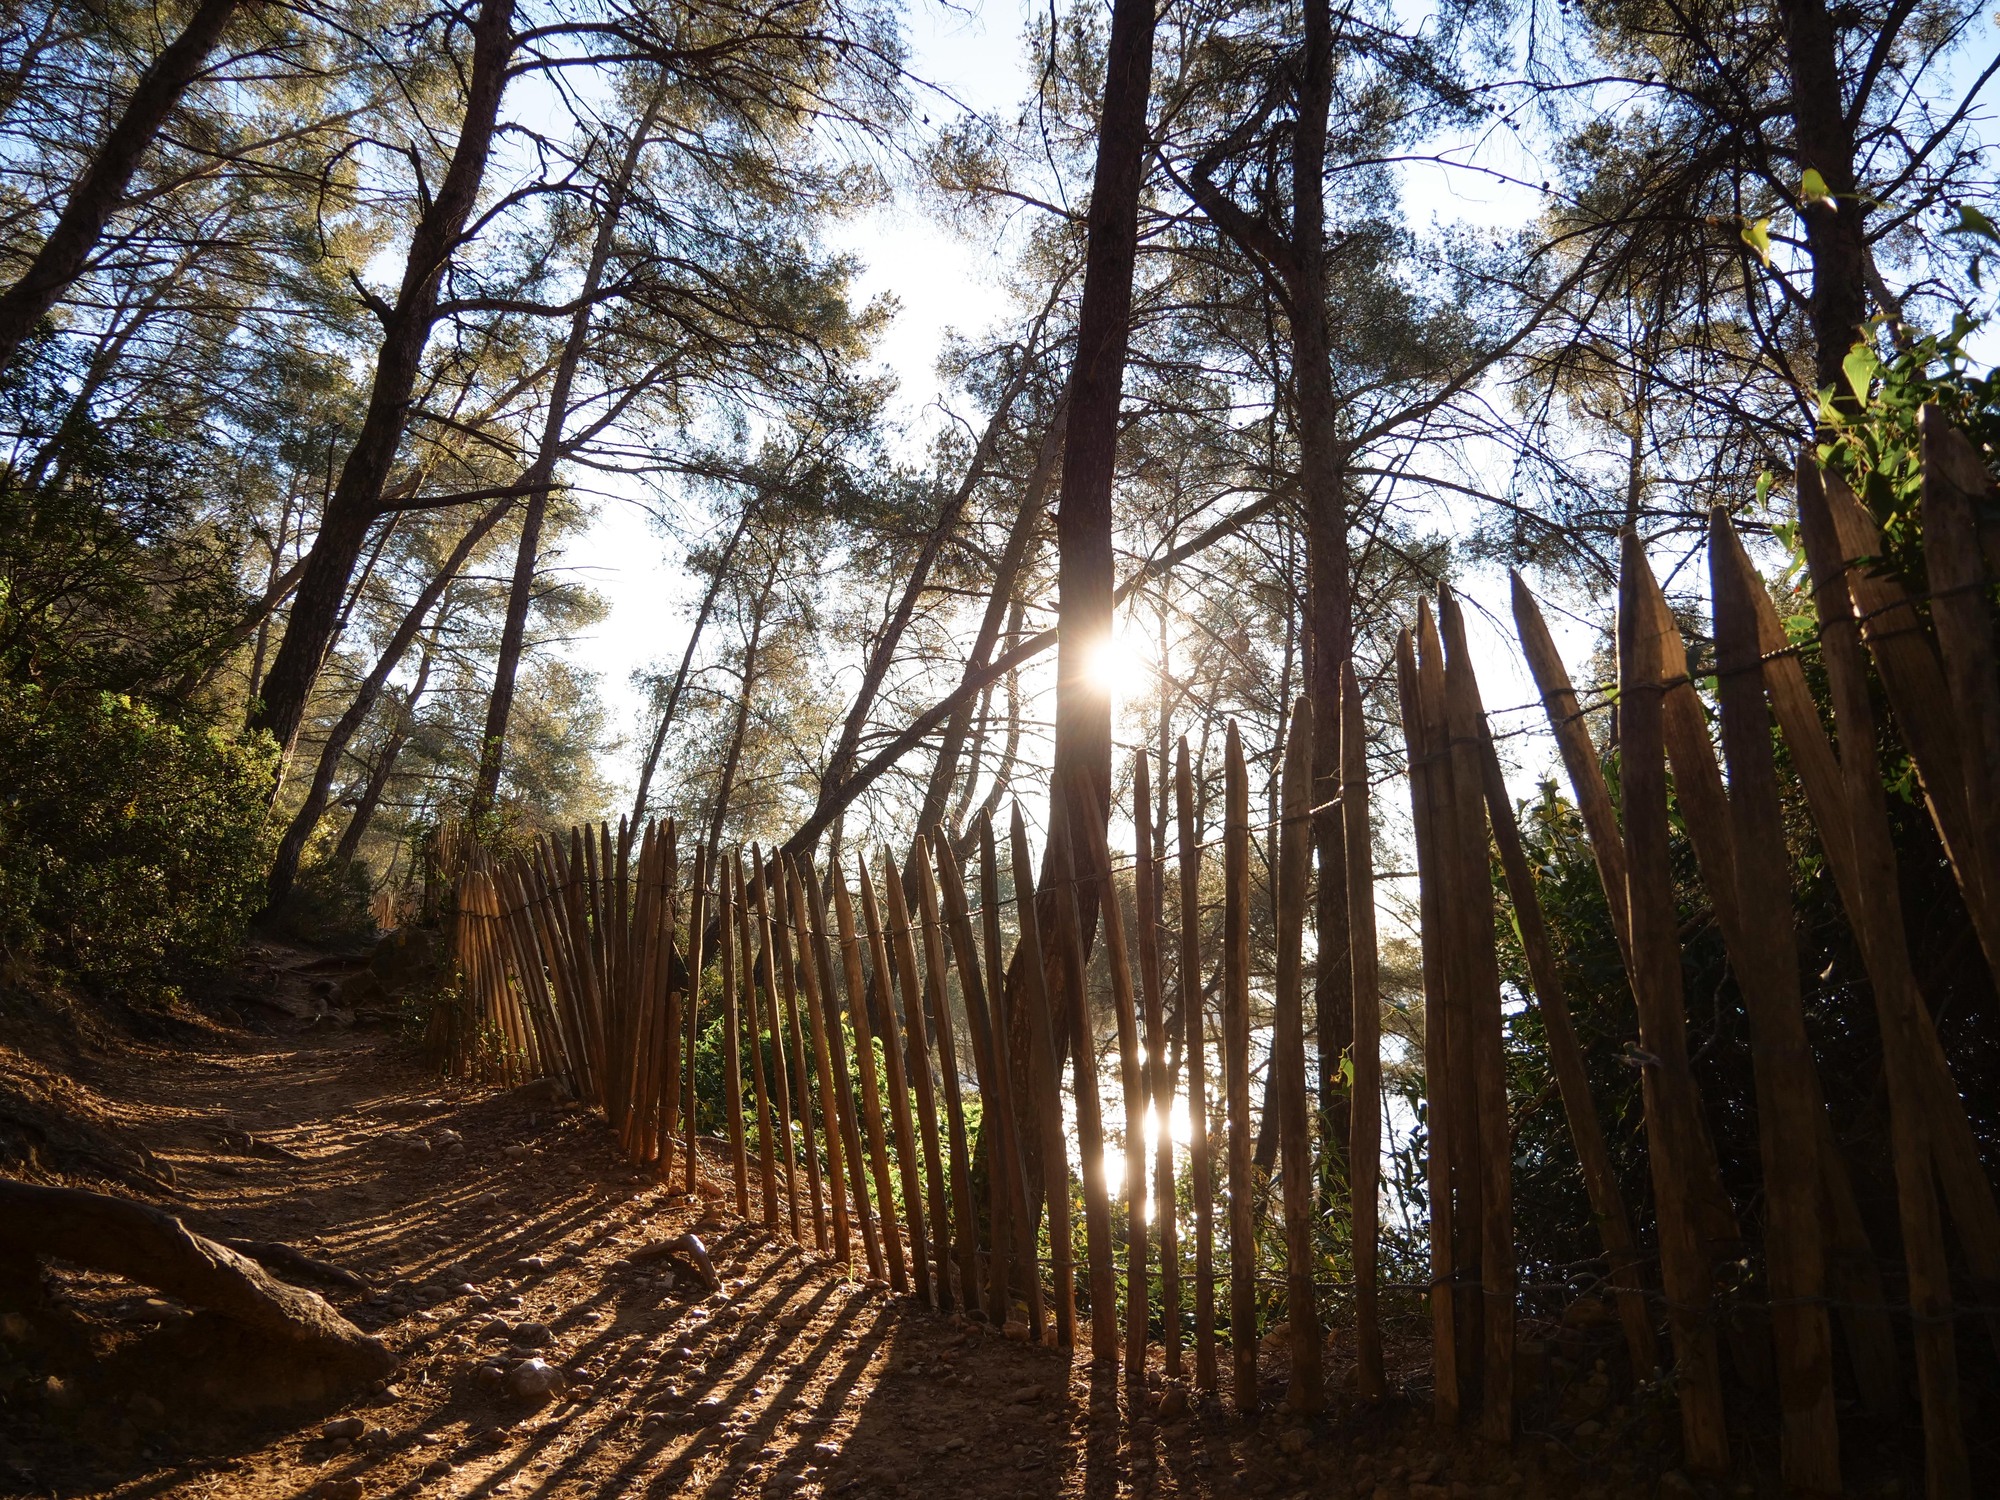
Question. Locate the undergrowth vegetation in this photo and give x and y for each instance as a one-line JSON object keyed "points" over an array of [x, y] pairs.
{"points": [[131, 846]]}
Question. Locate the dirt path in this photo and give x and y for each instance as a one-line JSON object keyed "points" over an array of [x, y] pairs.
{"points": [[494, 1227]]}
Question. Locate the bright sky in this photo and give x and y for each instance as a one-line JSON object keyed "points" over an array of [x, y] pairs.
{"points": [[942, 281], [945, 281]]}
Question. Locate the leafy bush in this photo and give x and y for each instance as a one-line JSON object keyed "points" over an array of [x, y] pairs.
{"points": [[130, 845]]}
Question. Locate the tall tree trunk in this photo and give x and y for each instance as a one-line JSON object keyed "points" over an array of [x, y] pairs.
{"points": [[1836, 234], [100, 192], [357, 497], [370, 800], [1081, 771], [1329, 588], [285, 866], [668, 709], [541, 474]]}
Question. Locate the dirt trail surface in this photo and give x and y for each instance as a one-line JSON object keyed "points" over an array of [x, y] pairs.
{"points": [[496, 1228]]}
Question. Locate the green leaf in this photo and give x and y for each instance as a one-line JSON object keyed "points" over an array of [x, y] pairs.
{"points": [[1972, 221], [1764, 482], [1813, 188], [1860, 367], [1758, 237]]}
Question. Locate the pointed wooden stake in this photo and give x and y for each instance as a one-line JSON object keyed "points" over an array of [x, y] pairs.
{"points": [[964, 1217], [781, 1087], [1878, 924], [1487, 1056], [1023, 1205], [1046, 1080], [1673, 1131], [767, 1173], [864, 1065], [1201, 1170], [1789, 1112], [1132, 1085], [1160, 1083], [1365, 1132], [996, 1127], [909, 1164], [1425, 758], [917, 1063], [1307, 1391], [1098, 1253], [1236, 1074], [834, 1105]]}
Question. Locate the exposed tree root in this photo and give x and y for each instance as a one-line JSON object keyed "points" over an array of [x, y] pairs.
{"points": [[320, 1351], [273, 1256]]}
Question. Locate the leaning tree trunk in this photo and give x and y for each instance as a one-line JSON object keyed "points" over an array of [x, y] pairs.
{"points": [[733, 757], [285, 866], [962, 816], [1006, 574], [357, 497], [541, 475], [673, 703], [370, 800], [100, 192], [513, 635], [840, 762]]}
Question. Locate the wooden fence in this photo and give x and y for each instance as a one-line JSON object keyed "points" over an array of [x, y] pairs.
{"points": [[587, 958]]}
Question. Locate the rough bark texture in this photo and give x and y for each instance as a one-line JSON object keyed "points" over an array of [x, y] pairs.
{"points": [[1082, 764], [101, 189], [357, 497], [1328, 630], [1836, 234]]}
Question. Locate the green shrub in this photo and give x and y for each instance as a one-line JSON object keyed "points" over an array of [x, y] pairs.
{"points": [[130, 846], [1869, 432]]}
